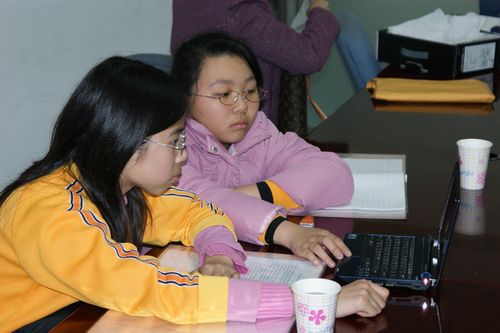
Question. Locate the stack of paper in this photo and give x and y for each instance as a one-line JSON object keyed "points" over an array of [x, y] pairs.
{"points": [[379, 188]]}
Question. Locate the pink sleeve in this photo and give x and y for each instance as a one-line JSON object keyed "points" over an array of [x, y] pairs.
{"points": [[218, 240], [276, 301], [251, 215], [312, 178], [252, 300]]}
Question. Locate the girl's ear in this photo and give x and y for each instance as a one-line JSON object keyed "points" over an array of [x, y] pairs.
{"points": [[181, 157], [137, 155]]}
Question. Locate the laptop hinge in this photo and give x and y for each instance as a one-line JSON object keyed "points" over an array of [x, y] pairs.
{"points": [[434, 260]]}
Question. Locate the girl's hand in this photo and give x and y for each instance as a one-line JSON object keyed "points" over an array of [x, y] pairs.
{"points": [[219, 266], [361, 297], [319, 3], [311, 243]]}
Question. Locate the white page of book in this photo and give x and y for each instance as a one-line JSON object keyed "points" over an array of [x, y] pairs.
{"points": [[280, 270], [375, 165]]}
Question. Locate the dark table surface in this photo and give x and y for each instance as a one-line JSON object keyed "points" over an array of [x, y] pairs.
{"points": [[466, 300]]}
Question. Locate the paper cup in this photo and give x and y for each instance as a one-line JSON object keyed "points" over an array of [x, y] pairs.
{"points": [[470, 220], [315, 304], [473, 156]]}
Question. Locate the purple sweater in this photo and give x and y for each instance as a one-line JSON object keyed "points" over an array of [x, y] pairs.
{"points": [[276, 45], [312, 178]]}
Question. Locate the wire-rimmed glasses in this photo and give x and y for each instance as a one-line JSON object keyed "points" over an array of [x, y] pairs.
{"points": [[178, 144], [231, 97]]}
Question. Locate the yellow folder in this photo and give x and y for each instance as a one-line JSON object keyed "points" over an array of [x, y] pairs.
{"points": [[440, 91]]}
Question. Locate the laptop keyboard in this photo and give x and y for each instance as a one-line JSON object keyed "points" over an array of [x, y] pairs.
{"points": [[387, 257]]}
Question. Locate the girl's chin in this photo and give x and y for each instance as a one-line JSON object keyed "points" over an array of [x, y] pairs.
{"points": [[237, 137], [160, 190]]}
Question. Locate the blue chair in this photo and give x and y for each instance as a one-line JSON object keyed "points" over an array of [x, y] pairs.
{"points": [[356, 50], [162, 62]]}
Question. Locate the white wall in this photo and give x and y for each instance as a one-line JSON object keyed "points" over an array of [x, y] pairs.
{"points": [[46, 46]]}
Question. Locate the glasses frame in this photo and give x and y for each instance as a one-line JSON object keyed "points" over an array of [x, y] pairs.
{"points": [[244, 96], [179, 146]]}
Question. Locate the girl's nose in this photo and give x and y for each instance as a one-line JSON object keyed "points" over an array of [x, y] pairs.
{"points": [[241, 105]]}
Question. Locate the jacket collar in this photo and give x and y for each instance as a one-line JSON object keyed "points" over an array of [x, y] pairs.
{"points": [[198, 135]]}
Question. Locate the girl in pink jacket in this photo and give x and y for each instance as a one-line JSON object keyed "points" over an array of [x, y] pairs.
{"points": [[239, 161]]}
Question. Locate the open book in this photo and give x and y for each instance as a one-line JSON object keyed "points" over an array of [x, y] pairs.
{"points": [[379, 188], [267, 267]]}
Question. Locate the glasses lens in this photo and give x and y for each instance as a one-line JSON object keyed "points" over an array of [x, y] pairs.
{"points": [[229, 98], [256, 95], [252, 95]]}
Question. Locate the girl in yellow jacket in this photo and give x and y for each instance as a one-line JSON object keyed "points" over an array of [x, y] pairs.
{"points": [[72, 225]]}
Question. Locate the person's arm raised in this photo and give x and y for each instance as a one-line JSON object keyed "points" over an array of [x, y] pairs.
{"points": [[325, 4]]}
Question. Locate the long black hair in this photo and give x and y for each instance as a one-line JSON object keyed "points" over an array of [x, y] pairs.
{"points": [[118, 104], [190, 56]]}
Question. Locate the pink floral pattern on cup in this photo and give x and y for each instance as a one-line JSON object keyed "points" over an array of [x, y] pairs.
{"points": [[302, 309], [317, 317]]}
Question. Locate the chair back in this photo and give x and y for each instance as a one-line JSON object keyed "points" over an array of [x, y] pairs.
{"points": [[292, 116], [162, 62], [357, 50]]}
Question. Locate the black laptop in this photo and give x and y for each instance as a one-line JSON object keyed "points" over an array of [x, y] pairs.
{"points": [[402, 261]]}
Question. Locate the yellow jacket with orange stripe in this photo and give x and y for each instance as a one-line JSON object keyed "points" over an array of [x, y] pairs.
{"points": [[55, 249]]}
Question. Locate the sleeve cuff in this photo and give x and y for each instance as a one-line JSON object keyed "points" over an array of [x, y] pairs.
{"points": [[280, 196], [265, 192], [276, 301], [271, 229], [218, 240], [237, 255]]}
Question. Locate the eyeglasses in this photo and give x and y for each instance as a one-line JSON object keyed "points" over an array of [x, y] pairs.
{"points": [[178, 144], [231, 97]]}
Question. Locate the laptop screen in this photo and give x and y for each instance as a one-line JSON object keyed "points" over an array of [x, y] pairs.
{"points": [[448, 219]]}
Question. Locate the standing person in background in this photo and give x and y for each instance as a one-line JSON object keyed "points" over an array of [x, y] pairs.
{"points": [[276, 46]]}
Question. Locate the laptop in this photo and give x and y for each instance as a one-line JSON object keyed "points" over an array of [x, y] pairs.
{"points": [[414, 262]]}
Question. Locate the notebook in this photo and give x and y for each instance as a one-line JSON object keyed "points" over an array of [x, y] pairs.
{"points": [[379, 188], [414, 262]]}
